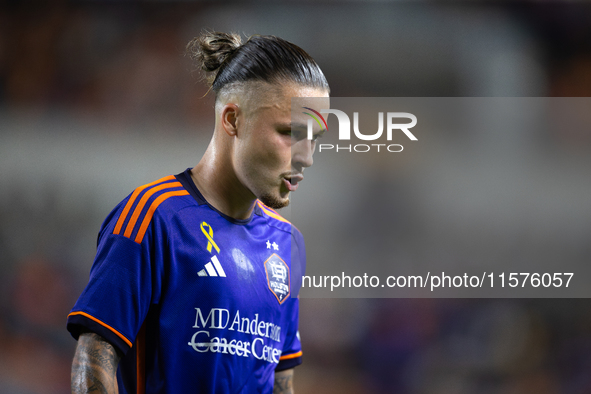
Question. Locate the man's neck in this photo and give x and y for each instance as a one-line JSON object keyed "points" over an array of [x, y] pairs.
{"points": [[221, 188]]}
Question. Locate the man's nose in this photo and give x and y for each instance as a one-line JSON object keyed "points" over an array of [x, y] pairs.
{"points": [[302, 152]]}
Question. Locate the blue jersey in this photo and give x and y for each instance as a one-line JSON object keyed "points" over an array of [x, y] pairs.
{"points": [[197, 302]]}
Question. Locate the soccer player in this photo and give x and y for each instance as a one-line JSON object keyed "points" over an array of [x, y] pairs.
{"points": [[194, 285]]}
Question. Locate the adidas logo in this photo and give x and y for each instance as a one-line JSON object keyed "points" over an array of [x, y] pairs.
{"points": [[214, 269]]}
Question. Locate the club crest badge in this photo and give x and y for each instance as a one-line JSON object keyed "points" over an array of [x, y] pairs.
{"points": [[277, 277]]}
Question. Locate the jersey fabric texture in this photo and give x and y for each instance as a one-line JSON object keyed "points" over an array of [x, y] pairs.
{"points": [[195, 300]]}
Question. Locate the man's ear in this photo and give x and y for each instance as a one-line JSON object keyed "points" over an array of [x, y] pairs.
{"points": [[229, 116]]}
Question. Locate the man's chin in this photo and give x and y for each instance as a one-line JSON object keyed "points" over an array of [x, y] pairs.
{"points": [[274, 202]]}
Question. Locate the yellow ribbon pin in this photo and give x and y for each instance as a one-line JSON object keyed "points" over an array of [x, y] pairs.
{"points": [[209, 236]]}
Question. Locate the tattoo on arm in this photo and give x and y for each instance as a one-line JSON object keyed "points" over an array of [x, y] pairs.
{"points": [[94, 367], [283, 382]]}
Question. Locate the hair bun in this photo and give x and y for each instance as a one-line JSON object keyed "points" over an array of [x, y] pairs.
{"points": [[211, 49], [271, 59]]}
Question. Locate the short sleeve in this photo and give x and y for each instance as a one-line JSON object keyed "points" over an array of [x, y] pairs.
{"points": [[291, 355], [116, 300], [298, 261]]}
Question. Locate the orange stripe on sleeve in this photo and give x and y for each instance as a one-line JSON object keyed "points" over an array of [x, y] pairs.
{"points": [[150, 213], [288, 356], [127, 341], [262, 205], [272, 214], [131, 200], [142, 203]]}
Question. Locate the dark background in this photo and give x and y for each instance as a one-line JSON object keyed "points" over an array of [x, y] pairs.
{"points": [[97, 98]]}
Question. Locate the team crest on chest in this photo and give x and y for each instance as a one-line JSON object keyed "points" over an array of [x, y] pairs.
{"points": [[277, 277]]}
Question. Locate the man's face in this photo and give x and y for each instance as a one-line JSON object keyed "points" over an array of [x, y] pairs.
{"points": [[269, 155]]}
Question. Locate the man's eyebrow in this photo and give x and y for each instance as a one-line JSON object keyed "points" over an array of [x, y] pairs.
{"points": [[282, 125], [301, 126], [298, 126]]}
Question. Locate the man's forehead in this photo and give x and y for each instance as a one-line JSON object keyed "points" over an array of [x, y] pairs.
{"points": [[302, 108], [280, 99], [312, 103]]}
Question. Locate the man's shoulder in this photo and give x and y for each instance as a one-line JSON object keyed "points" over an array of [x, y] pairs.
{"points": [[275, 219], [161, 198]]}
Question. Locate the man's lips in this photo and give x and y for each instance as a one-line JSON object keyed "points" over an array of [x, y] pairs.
{"points": [[291, 181]]}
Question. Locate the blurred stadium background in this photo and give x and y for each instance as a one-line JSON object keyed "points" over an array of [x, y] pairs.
{"points": [[97, 98]]}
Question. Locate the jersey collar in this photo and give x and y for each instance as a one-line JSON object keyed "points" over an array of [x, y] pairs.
{"points": [[185, 179]]}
